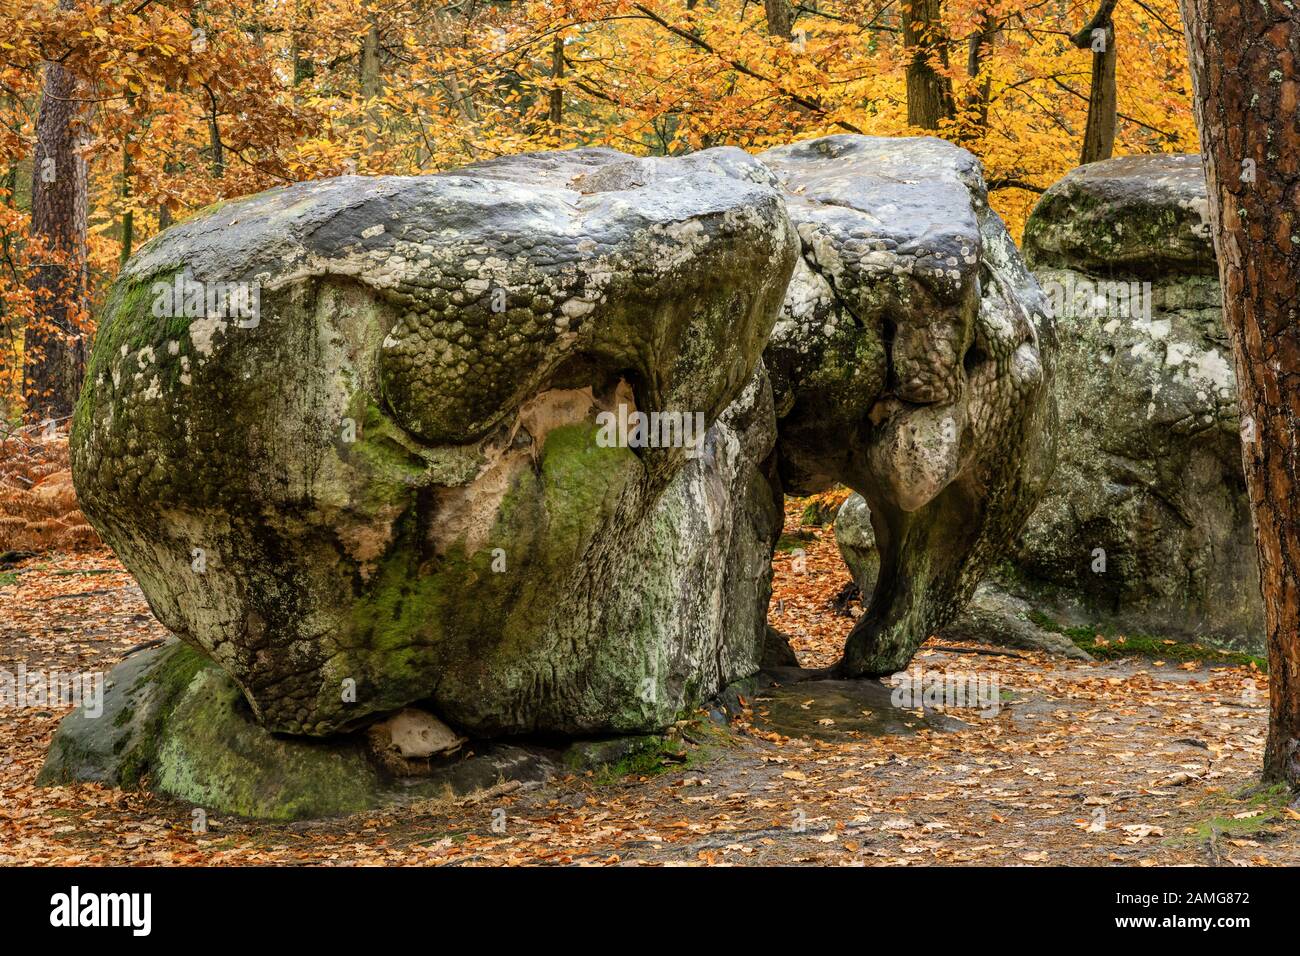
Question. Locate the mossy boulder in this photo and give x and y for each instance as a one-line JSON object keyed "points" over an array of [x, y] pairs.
{"points": [[117, 746], [1145, 526], [174, 720], [176, 723], [350, 436]]}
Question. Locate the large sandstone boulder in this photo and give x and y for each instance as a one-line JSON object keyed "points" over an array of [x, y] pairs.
{"points": [[370, 444], [912, 362], [352, 438], [1145, 525]]}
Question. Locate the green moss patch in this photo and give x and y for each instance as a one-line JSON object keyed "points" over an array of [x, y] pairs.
{"points": [[1106, 644], [1258, 812]]}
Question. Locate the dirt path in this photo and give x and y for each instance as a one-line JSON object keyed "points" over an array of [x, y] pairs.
{"points": [[1133, 762]]}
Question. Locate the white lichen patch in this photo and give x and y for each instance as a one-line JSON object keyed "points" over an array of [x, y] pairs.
{"points": [[202, 332]]}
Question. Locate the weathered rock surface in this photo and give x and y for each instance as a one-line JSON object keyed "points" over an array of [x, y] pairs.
{"points": [[912, 362], [389, 484], [1145, 525]]}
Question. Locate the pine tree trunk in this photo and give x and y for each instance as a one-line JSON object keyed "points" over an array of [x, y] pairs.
{"points": [[1244, 60], [54, 346]]}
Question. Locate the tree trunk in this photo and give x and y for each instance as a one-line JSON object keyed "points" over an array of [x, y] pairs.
{"points": [[370, 62], [216, 148], [460, 98], [555, 114], [977, 103], [780, 18], [1103, 102], [303, 67], [929, 92], [1244, 69], [128, 216], [54, 344]]}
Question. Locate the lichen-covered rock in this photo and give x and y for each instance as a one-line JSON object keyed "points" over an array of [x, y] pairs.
{"points": [[117, 746], [912, 362], [992, 616], [349, 437], [174, 718], [1146, 524], [857, 543]]}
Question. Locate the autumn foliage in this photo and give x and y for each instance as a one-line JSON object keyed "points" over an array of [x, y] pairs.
{"points": [[181, 104], [38, 506]]}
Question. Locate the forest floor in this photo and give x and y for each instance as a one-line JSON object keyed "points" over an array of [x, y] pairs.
{"points": [[1135, 761]]}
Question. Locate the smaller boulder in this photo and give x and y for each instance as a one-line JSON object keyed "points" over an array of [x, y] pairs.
{"points": [[404, 743], [1003, 620]]}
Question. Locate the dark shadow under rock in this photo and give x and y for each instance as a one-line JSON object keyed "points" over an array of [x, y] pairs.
{"points": [[777, 651], [175, 723]]}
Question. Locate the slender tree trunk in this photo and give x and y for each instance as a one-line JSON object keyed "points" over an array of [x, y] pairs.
{"points": [[216, 148], [780, 18], [456, 92], [54, 346], [555, 114], [372, 83], [977, 103], [128, 216], [1244, 60], [1103, 100], [929, 92], [303, 68], [370, 62]]}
